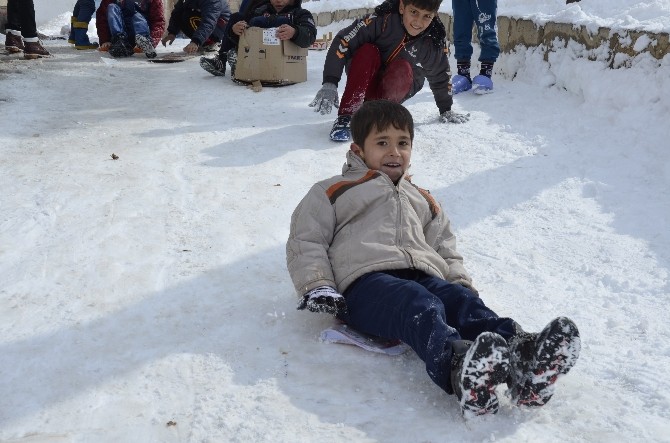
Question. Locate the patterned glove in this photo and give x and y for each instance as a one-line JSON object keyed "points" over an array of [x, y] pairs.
{"points": [[323, 299], [326, 98], [454, 117]]}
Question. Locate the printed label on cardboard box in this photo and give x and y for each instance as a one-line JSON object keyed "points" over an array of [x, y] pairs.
{"points": [[270, 37]]}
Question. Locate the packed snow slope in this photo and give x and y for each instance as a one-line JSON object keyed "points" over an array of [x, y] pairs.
{"points": [[146, 299]]}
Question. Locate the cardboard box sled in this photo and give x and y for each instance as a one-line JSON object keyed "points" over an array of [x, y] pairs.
{"points": [[261, 56]]}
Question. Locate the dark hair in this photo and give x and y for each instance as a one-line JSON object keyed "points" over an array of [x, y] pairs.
{"points": [[391, 6], [380, 114], [428, 5]]}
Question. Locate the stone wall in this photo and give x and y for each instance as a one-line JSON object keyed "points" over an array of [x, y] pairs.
{"points": [[511, 32], [514, 31]]}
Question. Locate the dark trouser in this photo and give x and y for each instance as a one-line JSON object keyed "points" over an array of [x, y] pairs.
{"points": [[483, 14], [84, 10], [127, 21], [21, 17], [425, 312], [368, 80]]}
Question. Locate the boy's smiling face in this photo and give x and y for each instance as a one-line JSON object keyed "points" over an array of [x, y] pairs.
{"points": [[388, 150], [415, 20]]}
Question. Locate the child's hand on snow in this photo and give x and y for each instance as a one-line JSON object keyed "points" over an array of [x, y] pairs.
{"points": [[323, 299], [191, 48], [169, 38], [326, 98]]}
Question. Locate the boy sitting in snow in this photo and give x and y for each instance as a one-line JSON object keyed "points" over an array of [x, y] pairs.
{"points": [[388, 55], [122, 24], [292, 22], [377, 251]]}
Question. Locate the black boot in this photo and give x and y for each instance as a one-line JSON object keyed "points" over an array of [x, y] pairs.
{"points": [[538, 359], [476, 369], [121, 47]]}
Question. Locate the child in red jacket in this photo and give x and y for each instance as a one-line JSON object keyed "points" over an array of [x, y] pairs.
{"points": [[122, 24]]}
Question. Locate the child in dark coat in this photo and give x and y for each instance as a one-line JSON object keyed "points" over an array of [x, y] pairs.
{"points": [[292, 22], [377, 251], [203, 21], [388, 55]]}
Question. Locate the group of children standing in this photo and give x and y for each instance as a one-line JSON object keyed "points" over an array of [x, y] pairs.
{"points": [[368, 245]]}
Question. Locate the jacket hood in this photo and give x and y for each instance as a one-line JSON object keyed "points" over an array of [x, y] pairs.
{"points": [[353, 162], [435, 31]]}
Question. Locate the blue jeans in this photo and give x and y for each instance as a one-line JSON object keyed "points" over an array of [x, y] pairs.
{"points": [[483, 14], [84, 10], [125, 21], [425, 312]]}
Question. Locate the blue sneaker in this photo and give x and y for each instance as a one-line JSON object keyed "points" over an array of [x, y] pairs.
{"points": [[341, 131], [482, 84], [460, 83]]}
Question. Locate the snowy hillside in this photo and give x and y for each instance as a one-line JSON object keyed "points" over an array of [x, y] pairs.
{"points": [[146, 299]]}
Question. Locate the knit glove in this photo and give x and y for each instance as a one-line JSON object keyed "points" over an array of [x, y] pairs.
{"points": [[454, 117], [326, 98], [323, 299]]}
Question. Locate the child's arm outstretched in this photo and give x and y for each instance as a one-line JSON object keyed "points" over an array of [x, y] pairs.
{"points": [[312, 230]]}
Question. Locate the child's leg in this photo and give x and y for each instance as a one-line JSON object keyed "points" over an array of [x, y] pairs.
{"points": [[487, 30], [388, 306], [229, 39], [464, 16], [21, 17], [466, 312], [140, 25], [84, 10], [115, 20], [362, 78], [396, 81], [272, 21]]}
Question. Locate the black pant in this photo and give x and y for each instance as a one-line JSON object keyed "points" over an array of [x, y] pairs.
{"points": [[21, 17], [423, 311]]}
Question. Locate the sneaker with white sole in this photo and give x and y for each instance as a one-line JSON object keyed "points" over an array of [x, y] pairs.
{"points": [[460, 83], [214, 65], [482, 84], [341, 130]]}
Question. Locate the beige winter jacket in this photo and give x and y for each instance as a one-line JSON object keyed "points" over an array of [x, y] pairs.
{"points": [[360, 222]]}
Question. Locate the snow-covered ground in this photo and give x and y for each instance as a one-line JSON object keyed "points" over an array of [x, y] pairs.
{"points": [[146, 299]]}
